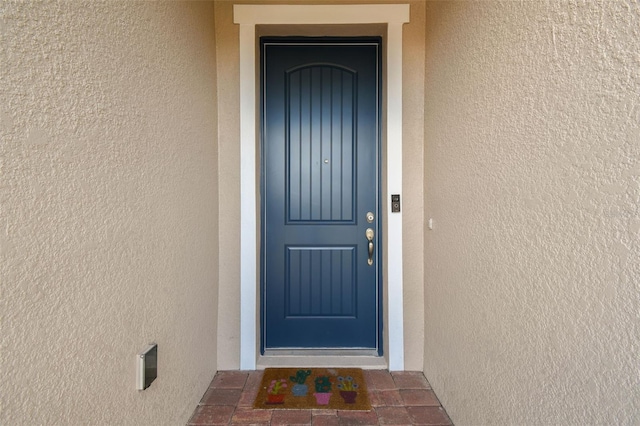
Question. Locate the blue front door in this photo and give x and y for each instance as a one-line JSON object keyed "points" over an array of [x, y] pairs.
{"points": [[320, 194]]}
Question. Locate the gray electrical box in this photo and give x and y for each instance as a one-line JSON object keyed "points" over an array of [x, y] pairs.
{"points": [[147, 368]]}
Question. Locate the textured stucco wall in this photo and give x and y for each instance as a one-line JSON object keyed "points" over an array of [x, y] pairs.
{"points": [[413, 107], [228, 54], [532, 177], [108, 214]]}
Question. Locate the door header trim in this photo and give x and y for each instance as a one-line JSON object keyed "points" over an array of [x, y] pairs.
{"points": [[248, 16], [321, 14]]}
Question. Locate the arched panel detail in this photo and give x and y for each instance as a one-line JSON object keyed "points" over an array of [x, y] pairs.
{"points": [[321, 64], [320, 132]]}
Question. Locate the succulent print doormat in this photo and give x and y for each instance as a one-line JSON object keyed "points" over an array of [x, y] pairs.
{"points": [[313, 388]]}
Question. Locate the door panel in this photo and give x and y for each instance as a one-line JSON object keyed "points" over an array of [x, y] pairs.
{"points": [[320, 120], [320, 282], [320, 149]]}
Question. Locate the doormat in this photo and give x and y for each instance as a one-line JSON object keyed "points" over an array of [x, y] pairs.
{"points": [[313, 388]]}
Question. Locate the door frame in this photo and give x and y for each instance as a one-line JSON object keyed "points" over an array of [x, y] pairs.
{"points": [[248, 16]]}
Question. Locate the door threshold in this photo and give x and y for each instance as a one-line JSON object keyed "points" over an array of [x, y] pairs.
{"points": [[365, 359]]}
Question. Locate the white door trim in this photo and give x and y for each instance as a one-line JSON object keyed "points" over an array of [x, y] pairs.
{"points": [[248, 16]]}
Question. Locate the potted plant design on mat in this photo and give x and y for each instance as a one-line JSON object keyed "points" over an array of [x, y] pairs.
{"points": [[347, 389], [275, 392], [300, 389], [323, 390]]}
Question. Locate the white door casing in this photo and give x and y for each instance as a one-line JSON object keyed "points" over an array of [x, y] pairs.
{"points": [[248, 16]]}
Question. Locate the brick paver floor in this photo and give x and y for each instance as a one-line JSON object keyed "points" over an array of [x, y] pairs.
{"points": [[398, 398]]}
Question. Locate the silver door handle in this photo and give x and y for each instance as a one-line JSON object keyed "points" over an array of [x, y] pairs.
{"points": [[369, 235]]}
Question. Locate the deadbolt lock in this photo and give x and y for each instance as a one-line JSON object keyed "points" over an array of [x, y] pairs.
{"points": [[370, 217]]}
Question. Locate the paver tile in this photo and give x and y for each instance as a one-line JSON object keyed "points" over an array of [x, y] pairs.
{"points": [[379, 380], [410, 380], [247, 398], [428, 416], [211, 415], [325, 420], [221, 397], [291, 417], [419, 397], [244, 416], [253, 381], [384, 398], [393, 416], [322, 412], [353, 418], [230, 379]]}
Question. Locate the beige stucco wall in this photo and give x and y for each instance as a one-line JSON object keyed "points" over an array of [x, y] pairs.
{"points": [[532, 176], [228, 54], [108, 214], [229, 163]]}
